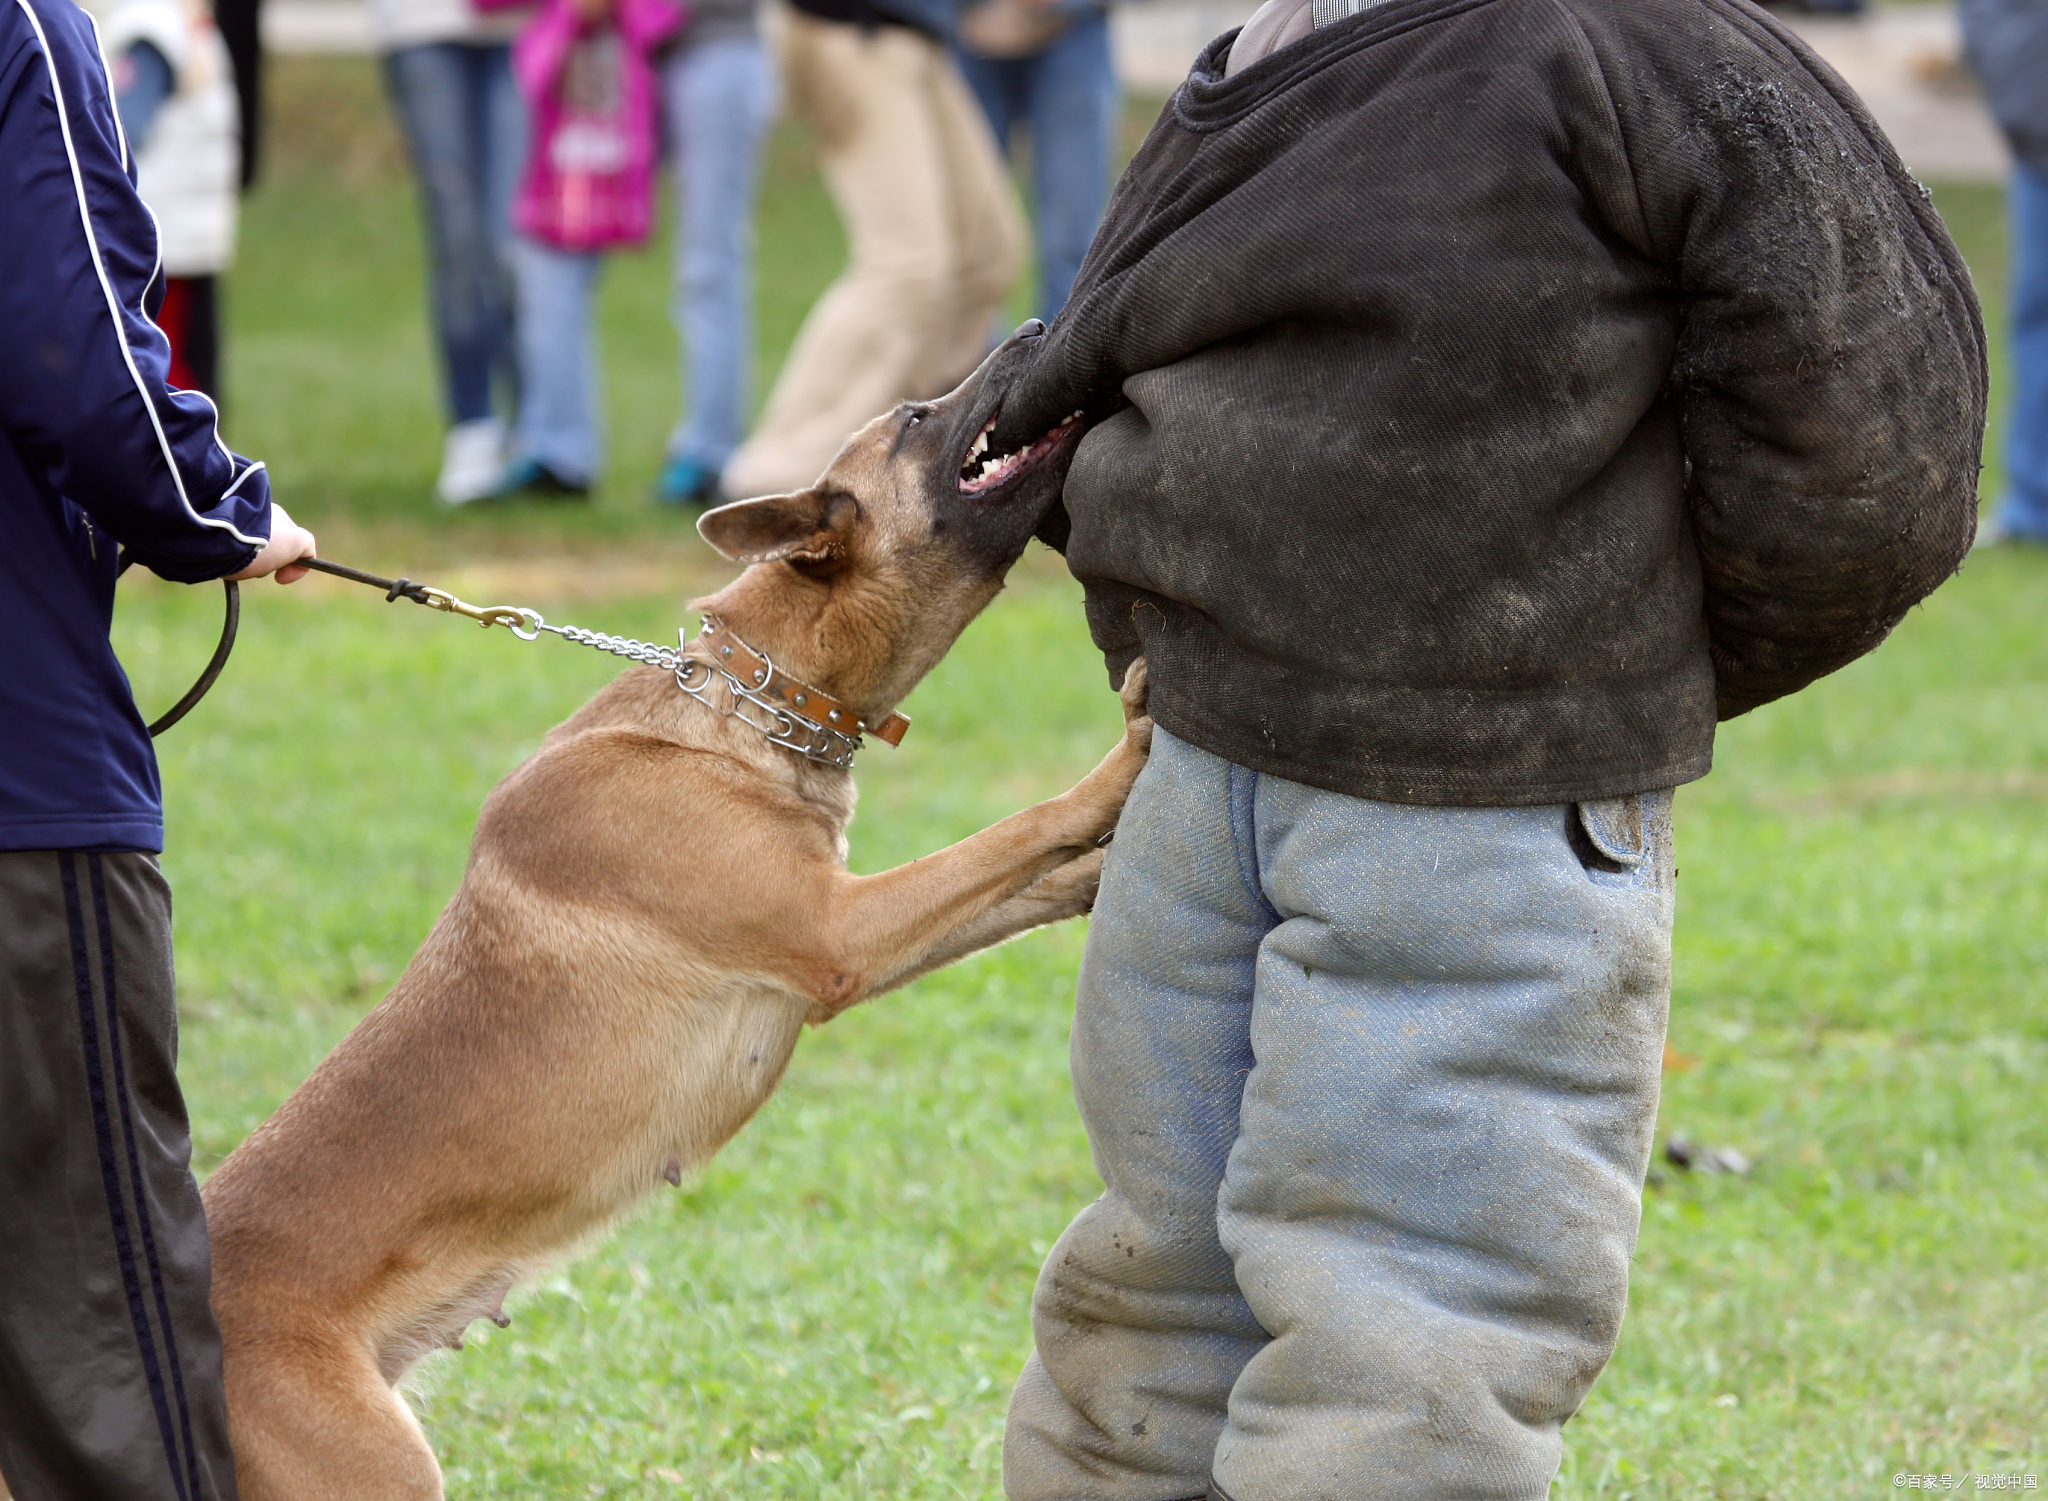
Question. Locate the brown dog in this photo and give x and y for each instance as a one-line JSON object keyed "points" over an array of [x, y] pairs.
{"points": [[655, 904]]}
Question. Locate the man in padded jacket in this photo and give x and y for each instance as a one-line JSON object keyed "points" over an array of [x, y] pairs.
{"points": [[110, 1383], [1488, 396]]}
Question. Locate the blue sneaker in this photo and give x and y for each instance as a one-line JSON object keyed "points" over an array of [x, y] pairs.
{"points": [[685, 482], [526, 475]]}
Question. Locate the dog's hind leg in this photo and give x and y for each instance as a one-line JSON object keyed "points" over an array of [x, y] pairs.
{"points": [[314, 1420]]}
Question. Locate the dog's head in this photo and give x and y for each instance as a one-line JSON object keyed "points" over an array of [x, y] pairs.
{"points": [[861, 582]]}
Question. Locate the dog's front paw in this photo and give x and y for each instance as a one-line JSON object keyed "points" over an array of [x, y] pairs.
{"points": [[1102, 792], [1067, 890], [1137, 742], [1137, 722]]}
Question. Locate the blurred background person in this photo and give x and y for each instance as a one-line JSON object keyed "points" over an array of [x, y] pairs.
{"points": [[2007, 43], [449, 71], [586, 69], [174, 91], [241, 28], [935, 235], [718, 99], [1042, 68]]}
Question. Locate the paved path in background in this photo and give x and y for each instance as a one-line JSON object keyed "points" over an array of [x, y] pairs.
{"points": [[1903, 59], [1906, 62], [301, 26]]}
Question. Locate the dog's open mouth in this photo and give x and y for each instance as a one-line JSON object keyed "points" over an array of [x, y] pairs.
{"points": [[982, 472]]}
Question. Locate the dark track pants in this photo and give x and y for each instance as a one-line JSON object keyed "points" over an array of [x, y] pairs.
{"points": [[110, 1386]]}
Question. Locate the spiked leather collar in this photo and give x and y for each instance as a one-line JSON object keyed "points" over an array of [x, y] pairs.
{"points": [[790, 712]]}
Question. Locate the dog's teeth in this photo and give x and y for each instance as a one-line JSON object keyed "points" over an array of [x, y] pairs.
{"points": [[980, 447]]}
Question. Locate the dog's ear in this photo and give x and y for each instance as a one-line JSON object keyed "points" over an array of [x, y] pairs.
{"points": [[808, 527]]}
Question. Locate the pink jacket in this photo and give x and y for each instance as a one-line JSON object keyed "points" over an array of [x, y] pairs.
{"points": [[590, 94]]}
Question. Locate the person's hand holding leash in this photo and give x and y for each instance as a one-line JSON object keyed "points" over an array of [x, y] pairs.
{"points": [[288, 543]]}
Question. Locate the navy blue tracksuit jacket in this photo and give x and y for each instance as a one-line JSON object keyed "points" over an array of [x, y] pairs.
{"points": [[97, 452]]}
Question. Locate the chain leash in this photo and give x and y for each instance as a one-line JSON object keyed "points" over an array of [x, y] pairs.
{"points": [[780, 724]]}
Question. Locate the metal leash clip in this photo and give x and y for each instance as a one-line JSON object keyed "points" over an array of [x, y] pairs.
{"points": [[524, 623]]}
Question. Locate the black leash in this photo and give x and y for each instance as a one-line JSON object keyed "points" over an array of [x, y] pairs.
{"points": [[228, 627], [197, 691], [525, 624], [393, 589]]}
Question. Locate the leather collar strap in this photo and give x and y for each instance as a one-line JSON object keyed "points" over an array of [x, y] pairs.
{"points": [[757, 679]]}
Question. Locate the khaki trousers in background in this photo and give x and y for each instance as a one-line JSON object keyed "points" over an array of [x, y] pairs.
{"points": [[934, 230]]}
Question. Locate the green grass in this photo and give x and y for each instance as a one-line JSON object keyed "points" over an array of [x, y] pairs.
{"points": [[839, 1305]]}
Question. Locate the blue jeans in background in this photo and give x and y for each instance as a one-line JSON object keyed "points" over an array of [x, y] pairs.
{"points": [[558, 386], [1067, 97], [1371, 1089], [467, 130], [2023, 507], [719, 99]]}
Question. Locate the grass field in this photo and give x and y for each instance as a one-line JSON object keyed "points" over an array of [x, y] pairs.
{"points": [[838, 1306]]}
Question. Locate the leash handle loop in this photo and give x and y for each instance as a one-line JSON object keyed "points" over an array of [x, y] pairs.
{"points": [[229, 626]]}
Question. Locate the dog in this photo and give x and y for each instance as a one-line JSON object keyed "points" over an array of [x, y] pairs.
{"points": [[655, 904]]}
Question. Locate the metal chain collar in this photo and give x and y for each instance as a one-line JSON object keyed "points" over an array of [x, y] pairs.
{"points": [[780, 724], [783, 726]]}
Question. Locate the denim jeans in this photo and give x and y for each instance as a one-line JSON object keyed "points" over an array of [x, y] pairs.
{"points": [[558, 374], [1067, 97], [467, 129], [719, 99], [2023, 507], [1371, 1089]]}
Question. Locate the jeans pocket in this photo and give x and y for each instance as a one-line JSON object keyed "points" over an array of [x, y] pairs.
{"points": [[1613, 836]]}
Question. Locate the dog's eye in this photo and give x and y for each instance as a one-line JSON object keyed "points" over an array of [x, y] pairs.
{"points": [[915, 418]]}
